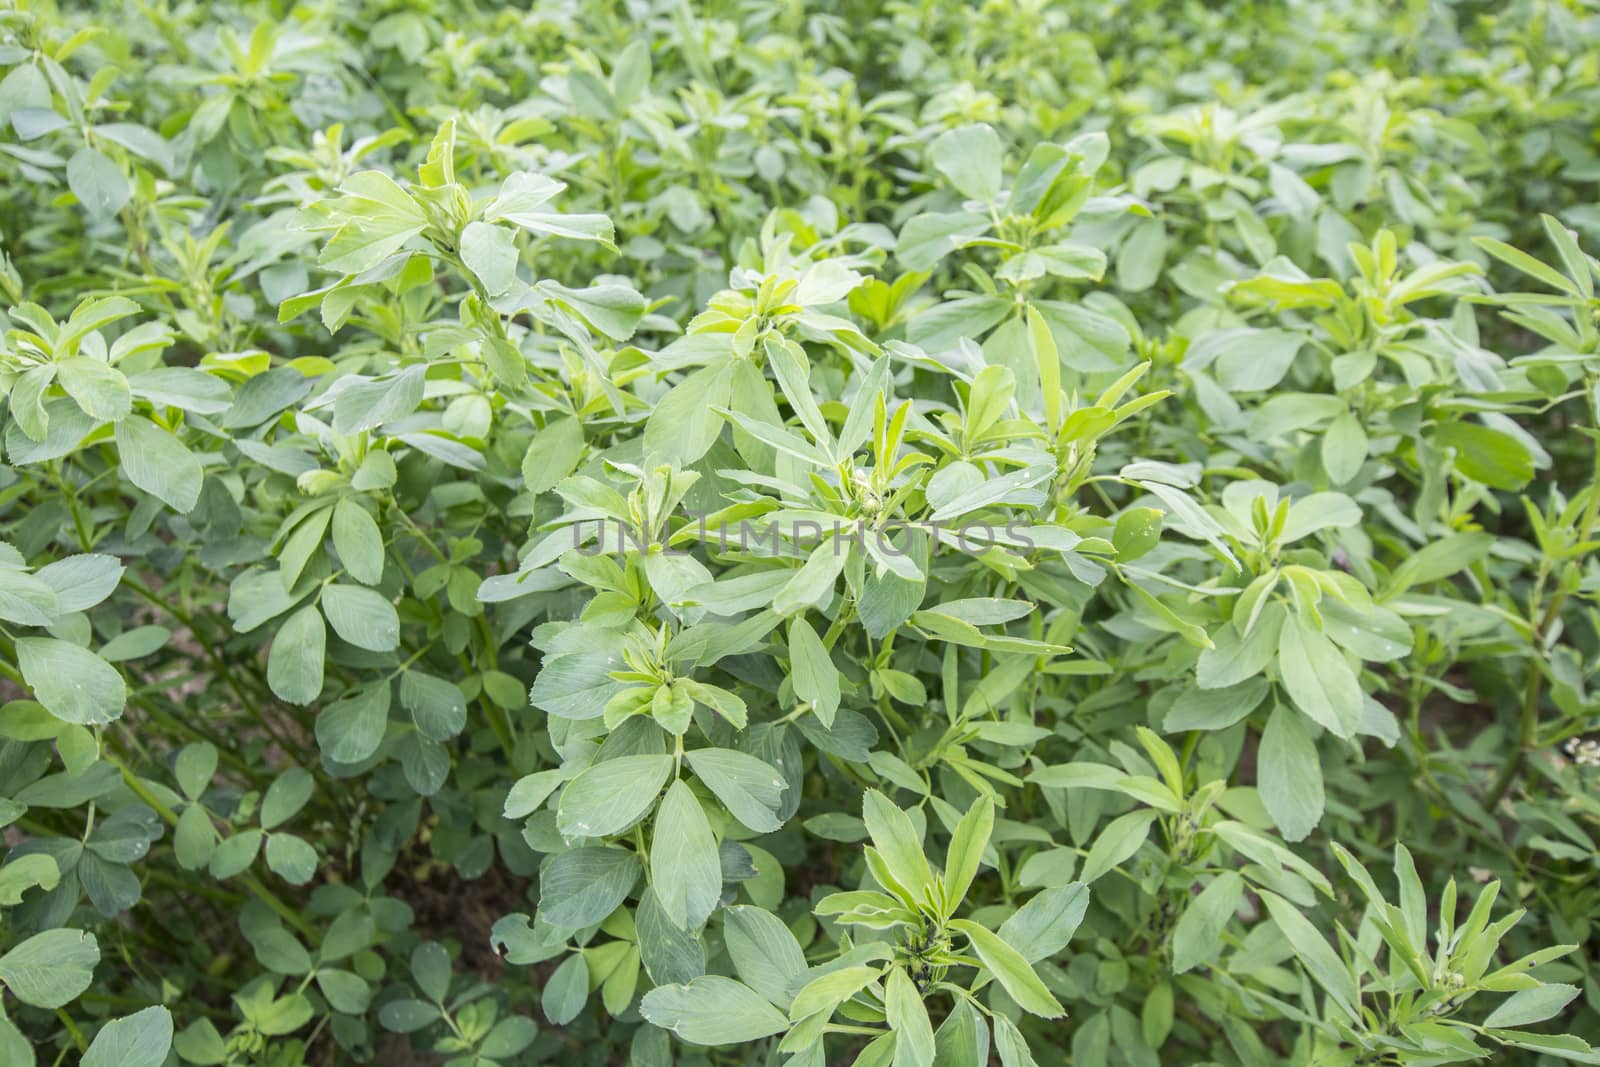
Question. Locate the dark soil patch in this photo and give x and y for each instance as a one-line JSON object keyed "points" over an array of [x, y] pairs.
{"points": [[450, 908]]}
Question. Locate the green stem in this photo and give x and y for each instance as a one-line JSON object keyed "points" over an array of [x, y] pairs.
{"points": [[1540, 624]]}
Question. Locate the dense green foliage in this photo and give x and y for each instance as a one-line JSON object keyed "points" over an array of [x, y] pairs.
{"points": [[803, 534]]}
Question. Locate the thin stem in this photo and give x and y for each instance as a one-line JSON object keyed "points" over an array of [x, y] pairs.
{"points": [[1539, 625]]}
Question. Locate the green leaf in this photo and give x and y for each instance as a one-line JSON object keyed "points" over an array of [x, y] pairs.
{"points": [[519, 200], [407, 1016], [445, 449], [157, 462], [97, 182], [1572, 1049], [1215, 709], [1372, 633], [351, 730], [673, 708], [576, 685], [72, 683], [967, 844], [358, 541], [1010, 1044], [437, 707], [926, 239], [908, 1017], [1043, 926], [51, 969], [614, 310], [1197, 936], [1119, 841], [294, 665], [346, 992], [566, 991], [1247, 360], [897, 841], [751, 790], [764, 952], [993, 389], [685, 870], [1486, 455], [813, 584], [140, 140], [1438, 560], [962, 1039], [234, 854], [291, 858], [611, 796], [1572, 257], [1344, 448], [777, 437], [430, 967], [1137, 532], [363, 617], [553, 454], [815, 678], [1529, 1006], [366, 405], [531, 791], [380, 217], [1525, 263], [969, 156], [80, 582], [1189, 519], [1158, 614], [631, 73], [1289, 775], [265, 396], [830, 988], [667, 952], [490, 252], [24, 873], [1141, 257], [136, 643], [712, 1010], [508, 1037], [1009, 969], [286, 795], [1317, 678], [194, 839], [580, 887], [789, 366], [1310, 947], [1319, 511], [685, 423], [142, 1039], [98, 388], [1236, 658], [1048, 361], [1413, 898], [27, 405]]}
